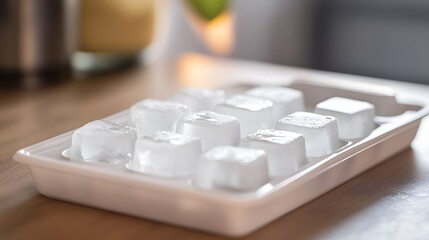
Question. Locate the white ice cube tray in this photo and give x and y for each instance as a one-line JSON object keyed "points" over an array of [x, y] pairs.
{"points": [[233, 213]]}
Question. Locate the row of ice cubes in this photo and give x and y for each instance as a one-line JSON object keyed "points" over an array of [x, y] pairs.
{"points": [[238, 143]]}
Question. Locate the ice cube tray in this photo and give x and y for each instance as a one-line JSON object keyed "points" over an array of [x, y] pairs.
{"points": [[179, 201]]}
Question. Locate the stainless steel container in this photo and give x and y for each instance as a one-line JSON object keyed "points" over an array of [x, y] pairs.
{"points": [[37, 39]]}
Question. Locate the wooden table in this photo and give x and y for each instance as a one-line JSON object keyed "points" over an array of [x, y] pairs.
{"points": [[390, 201]]}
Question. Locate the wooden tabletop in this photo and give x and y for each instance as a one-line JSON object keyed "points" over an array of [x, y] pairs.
{"points": [[390, 201]]}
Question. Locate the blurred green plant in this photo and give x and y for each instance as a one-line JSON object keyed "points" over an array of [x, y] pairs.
{"points": [[208, 9]]}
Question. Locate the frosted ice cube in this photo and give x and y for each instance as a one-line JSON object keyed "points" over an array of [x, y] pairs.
{"points": [[102, 141], [355, 118], [254, 113], [320, 132], [234, 168], [125, 120], [285, 150], [200, 99], [166, 154], [213, 129], [286, 100], [153, 115]]}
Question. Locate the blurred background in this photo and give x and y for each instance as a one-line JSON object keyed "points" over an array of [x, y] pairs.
{"points": [[53, 38], [378, 38]]}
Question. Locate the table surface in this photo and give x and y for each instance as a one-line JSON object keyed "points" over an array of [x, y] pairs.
{"points": [[389, 201]]}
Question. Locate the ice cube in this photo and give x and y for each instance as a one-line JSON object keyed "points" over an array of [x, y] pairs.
{"points": [[286, 100], [213, 129], [285, 150], [233, 168], [153, 115], [125, 120], [254, 113], [166, 154], [355, 118], [200, 99], [102, 141], [320, 132]]}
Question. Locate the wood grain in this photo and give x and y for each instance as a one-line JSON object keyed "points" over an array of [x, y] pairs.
{"points": [[389, 201]]}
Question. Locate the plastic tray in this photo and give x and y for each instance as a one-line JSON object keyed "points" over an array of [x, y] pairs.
{"points": [[179, 202]]}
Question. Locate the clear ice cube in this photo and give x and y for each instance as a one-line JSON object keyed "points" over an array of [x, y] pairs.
{"points": [[233, 168], [355, 118], [285, 150], [166, 154], [213, 129], [254, 113], [200, 99], [320, 132], [102, 141], [286, 100], [152, 115]]}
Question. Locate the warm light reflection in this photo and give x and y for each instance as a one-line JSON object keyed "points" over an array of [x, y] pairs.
{"points": [[217, 34], [194, 70]]}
